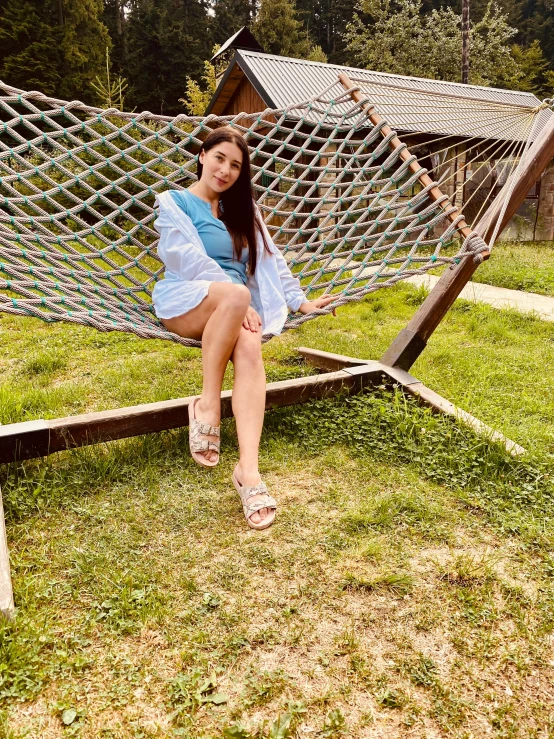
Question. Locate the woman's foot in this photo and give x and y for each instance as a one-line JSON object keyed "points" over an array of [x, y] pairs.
{"points": [[206, 415], [252, 479]]}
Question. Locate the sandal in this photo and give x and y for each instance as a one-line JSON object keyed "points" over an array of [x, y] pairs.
{"points": [[196, 444], [248, 491]]}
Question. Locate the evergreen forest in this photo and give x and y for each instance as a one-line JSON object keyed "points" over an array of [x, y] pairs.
{"points": [[152, 51]]}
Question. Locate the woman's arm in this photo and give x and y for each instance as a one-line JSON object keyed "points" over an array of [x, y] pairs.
{"points": [[309, 306], [294, 295]]}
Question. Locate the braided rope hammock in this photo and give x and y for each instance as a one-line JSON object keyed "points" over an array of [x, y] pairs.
{"points": [[342, 198]]}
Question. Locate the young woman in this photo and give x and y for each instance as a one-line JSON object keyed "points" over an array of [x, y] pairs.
{"points": [[226, 283]]}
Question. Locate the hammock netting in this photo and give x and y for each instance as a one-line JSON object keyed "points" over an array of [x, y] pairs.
{"points": [[78, 185]]}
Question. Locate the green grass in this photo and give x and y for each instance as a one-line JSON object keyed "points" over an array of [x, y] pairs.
{"points": [[527, 266], [405, 589]]}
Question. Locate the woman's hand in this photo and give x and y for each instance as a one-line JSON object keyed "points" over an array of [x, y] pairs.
{"points": [[252, 320], [310, 305]]}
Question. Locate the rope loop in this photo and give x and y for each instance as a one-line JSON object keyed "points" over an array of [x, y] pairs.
{"points": [[475, 244]]}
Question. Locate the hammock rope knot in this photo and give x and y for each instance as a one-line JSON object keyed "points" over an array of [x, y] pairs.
{"points": [[477, 246]]}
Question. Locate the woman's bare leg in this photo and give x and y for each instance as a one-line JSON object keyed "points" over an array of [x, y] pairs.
{"points": [[217, 321], [248, 408]]}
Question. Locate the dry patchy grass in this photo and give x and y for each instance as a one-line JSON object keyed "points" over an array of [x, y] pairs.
{"points": [[286, 617]]}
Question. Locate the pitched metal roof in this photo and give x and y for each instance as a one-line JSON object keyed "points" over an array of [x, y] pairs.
{"points": [[408, 103], [242, 39]]}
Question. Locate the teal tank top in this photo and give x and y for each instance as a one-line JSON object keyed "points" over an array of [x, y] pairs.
{"points": [[213, 232]]}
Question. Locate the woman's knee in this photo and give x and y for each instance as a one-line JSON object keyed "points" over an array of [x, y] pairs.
{"points": [[233, 297], [248, 347]]}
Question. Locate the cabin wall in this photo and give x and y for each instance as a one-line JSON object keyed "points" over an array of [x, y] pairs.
{"points": [[245, 99]]}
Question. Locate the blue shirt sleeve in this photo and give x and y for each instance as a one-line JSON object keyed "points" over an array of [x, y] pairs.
{"points": [[182, 201]]}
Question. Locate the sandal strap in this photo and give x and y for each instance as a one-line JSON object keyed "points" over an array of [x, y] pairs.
{"points": [[204, 429], [199, 429], [249, 491], [203, 445], [267, 501]]}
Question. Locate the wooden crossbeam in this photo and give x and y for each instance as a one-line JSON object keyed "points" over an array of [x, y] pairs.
{"points": [[412, 386], [31, 439], [347, 375], [329, 361]]}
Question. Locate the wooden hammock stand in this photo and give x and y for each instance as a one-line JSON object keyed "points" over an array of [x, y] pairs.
{"points": [[348, 375]]}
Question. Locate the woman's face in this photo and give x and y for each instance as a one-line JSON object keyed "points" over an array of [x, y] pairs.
{"points": [[222, 164]]}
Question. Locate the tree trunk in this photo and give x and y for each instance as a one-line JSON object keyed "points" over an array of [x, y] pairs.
{"points": [[119, 17], [465, 42]]}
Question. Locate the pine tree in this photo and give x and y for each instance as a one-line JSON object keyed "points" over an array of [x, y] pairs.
{"points": [[535, 21], [30, 38], [167, 41], [56, 46], [229, 17], [199, 95], [326, 22], [111, 88], [279, 31], [534, 75], [114, 18], [84, 42]]}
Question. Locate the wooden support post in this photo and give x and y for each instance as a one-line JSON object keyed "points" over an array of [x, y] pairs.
{"points": [[465, 41], [411, 341], [6, 592]]}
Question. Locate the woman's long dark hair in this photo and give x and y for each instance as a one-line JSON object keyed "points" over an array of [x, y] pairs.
{"points": [[237, 210]]}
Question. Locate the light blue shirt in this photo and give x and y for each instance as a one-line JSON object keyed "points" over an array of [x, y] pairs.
{"points": [[213, 232], [189, 271]]}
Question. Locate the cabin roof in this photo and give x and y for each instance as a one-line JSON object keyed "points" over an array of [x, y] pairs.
{"points": [[409, 104], [242, 39]]}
